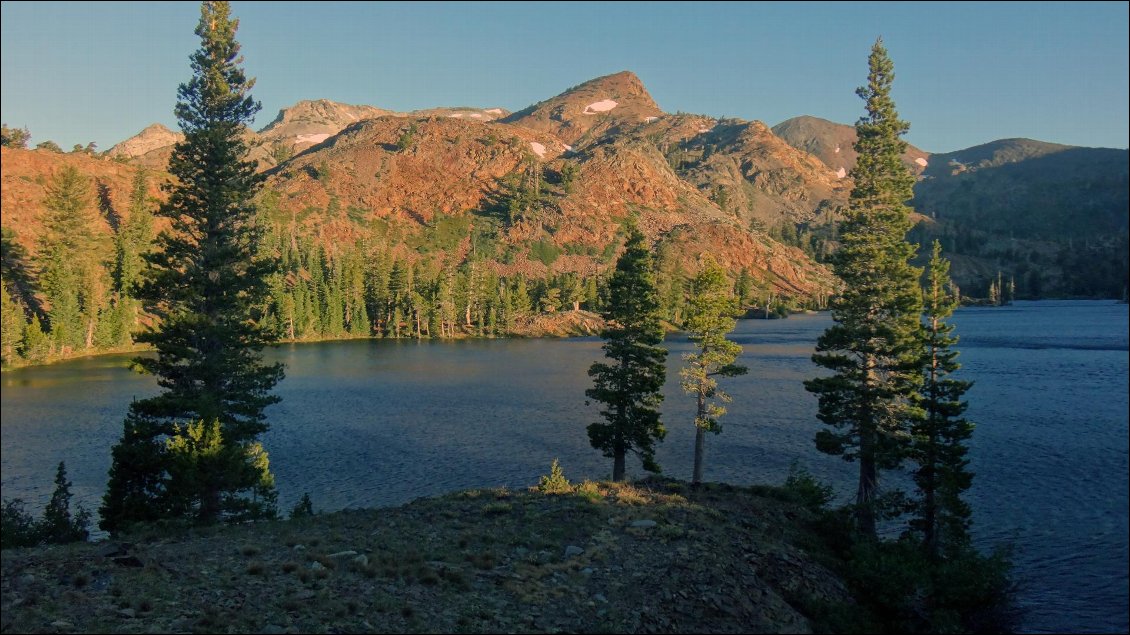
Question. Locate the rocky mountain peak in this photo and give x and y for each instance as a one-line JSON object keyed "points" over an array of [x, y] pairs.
{"points": [[153, 137], [309, 122], [592, 106]]}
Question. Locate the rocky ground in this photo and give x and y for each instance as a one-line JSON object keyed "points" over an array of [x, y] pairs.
{"points": [[654, 556]]}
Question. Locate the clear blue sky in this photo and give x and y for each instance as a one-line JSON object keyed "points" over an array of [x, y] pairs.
{"points": [[966, 73]]}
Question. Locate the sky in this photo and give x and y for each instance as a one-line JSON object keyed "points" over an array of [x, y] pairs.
{"points": [[965, 73]]}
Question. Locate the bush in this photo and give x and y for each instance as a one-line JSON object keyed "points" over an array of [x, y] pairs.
{"points": [[555, 482], [903, 590], [806, 490], [17, 527], [590, 490], [544, 251], [304, 508]]}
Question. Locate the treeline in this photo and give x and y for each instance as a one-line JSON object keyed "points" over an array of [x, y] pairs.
{"points": [[78, 295], [78, 298]]}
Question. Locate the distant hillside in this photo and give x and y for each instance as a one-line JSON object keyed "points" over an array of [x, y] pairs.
{"points": [[1052, 218], [456, 223], [1048, 217], [452, 222], [833, 143]]}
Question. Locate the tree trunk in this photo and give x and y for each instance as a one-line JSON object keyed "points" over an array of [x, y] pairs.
{"points": [[618, 465], [699, 449], [699, 440], [868, 484], [209, 506]]}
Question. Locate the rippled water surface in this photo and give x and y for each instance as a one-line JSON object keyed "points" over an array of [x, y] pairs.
{"points": [[371, 423]]}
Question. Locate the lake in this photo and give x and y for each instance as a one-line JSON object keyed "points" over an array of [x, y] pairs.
{"points": [[369, 423]]}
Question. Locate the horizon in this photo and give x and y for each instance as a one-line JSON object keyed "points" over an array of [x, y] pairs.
{"points": [[965, 74]]}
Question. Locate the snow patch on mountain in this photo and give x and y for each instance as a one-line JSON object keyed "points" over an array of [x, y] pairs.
{"points": [[312, 138], [600, 106]]}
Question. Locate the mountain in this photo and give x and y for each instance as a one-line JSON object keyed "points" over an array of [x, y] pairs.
{"points": [[458, 221], [1051, 218], [311, 122], [833, 143], [471, 171], [151, 147], [591, 108], [294, 129], [749, 171]]}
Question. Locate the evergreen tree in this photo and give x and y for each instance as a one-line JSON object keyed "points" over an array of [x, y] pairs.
{"points": [[630, 386], [35, 346], [872, 349], [710, 311], [939, 436], [206, 286], [67, 245], [12, 325], [130, 242], [58, 525]]}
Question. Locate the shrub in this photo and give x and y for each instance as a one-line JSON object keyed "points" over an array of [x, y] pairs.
{"points": [[304, 508], [544, 251], [805, 489], [555, 482], [17, 527], [588, 489]]}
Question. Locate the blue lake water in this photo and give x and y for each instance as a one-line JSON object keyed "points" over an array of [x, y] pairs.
{"points": [[377, 422]]}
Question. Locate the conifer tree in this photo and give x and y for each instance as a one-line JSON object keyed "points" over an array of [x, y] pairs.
{"points": [[710, 317], [629, 386], [12, 325], [66, 246], [206, 284], [59, 526], [35, 345], [939, 435], [872, 348], [131, 241]]}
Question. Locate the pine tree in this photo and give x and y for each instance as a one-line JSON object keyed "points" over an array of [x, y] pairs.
{"points": [[629, 386], [710, 317], [131, 241], [35, 346], [66, 246], [58, 525], [939, 436], [872, 349], [206, 285], [12, 325]]}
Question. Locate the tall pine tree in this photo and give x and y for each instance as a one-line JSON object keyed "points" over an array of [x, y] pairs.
{"points": [[206, 284], [67, 246], [873, 347], [629, 386], [939, 436], [710, 317]]}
